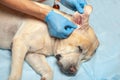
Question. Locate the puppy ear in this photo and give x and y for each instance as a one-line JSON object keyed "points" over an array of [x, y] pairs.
{"points": [[77, 18], [82, 19], [88, 9]]}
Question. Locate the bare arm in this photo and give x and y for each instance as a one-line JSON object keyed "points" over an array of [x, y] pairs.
{"points": [[28, 7]]}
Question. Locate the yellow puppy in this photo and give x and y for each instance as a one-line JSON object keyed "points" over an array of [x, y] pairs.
{"points": [[31, 41]]}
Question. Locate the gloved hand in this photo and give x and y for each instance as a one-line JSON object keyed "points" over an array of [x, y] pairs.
{"points": [[59, 26], [76, 5]]}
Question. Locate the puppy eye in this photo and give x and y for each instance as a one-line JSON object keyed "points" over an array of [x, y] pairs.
{"points": [[80, 49], [58, 56]]}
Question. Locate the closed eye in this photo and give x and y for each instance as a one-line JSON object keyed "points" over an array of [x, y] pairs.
{"points": [[80, 49]]}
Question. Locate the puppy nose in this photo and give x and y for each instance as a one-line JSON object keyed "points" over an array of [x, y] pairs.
{"points": [[72, 69], [58, 56]]}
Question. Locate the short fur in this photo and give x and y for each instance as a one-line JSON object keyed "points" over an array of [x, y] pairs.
{"points": [[31, 41]]}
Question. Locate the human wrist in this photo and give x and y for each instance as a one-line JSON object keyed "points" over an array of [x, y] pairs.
{"points": [[39, 10]]}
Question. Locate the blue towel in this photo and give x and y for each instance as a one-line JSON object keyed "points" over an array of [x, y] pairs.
{"points": [[104, 65]]}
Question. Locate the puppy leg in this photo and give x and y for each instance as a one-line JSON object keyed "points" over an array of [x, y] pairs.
{"points": [[18, 54], [39, 64]]}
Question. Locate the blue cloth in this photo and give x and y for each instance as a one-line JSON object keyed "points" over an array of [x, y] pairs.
{"points": [[105, 64]]}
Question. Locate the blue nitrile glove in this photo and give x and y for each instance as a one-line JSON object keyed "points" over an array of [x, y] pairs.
{"points": [[76, 5], [59, 26]]}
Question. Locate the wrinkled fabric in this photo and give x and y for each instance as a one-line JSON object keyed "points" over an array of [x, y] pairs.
{"points": [[104, 65]]}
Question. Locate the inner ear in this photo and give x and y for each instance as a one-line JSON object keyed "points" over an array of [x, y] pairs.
{"points": [[77, 18], [82, 19], [88, 9]]}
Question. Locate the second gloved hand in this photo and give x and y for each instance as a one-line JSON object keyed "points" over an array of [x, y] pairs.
{"points": [[59, 26], [76, 5]]}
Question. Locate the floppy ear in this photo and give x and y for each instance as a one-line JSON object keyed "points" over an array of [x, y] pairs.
{"points": [[77, 18], [82, 19], [88, 9]]}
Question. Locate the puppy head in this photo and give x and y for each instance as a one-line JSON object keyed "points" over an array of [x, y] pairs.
{"points": [[72, 50]]}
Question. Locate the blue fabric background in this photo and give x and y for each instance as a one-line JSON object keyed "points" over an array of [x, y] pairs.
{"points": [[105, 64]]}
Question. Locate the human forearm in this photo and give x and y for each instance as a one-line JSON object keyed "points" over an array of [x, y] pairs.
{"points": [[28, 7]]}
